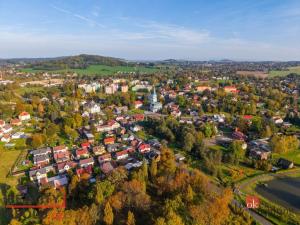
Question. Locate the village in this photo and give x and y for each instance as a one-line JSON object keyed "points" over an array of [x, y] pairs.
{"points": [[120, 144]]}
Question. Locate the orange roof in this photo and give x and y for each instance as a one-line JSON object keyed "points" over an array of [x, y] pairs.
{"points": [[24, 113]]}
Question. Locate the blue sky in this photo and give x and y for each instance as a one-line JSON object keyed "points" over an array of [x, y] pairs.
{"points": [[152, 29]]}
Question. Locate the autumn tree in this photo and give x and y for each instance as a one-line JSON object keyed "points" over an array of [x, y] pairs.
{"points": [[108, 217], [167, 164], [153, 169], [130, 218]]}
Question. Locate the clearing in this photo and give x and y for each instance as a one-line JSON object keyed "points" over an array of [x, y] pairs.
{"points": [[99, 70]]}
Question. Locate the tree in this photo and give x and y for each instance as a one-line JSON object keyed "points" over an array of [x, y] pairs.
{"points": [[189, 141], [167, 163], [130, 218], [236, 149], [160, 221], [145, 170], [284, 144], [153, 169], [189, 194], [37, 140], [108, 217], [173, 218]]}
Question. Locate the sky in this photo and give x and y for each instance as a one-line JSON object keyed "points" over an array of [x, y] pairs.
{"points": [[152, 29]]}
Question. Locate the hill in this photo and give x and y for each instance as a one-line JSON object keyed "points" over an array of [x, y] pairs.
{"points": [[74, 62]]}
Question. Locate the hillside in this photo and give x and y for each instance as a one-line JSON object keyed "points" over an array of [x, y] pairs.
{"points": [[74, 62]]}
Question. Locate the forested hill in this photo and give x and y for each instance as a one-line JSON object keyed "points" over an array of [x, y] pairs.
{"points": [[75, 62]]}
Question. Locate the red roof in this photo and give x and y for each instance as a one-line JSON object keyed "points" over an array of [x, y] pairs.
{"points": [[248, 117], [24, 114], [139, 117], [82, 151], [86, 170], [15, 121], [109, 140], [104, 157], [85, 145], [120, 153], [59, 148], [143, 147], [138, 102], [71, 164], [61, 155]]}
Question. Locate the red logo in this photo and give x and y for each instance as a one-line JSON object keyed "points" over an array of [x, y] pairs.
{"points": [[252, 202]]}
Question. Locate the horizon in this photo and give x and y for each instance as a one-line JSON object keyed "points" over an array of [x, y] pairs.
{"points": [[247, 30], [148, 60]]}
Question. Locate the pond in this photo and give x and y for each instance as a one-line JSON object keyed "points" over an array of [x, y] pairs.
{"points": [[283, 191]]}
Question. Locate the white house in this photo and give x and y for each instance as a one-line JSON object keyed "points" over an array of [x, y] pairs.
{"points": [[24, 116]]}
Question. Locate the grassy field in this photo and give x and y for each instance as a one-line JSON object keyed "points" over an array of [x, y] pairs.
{"points": [[8, 158], [275, 73], [292, 156], [98, 70]]}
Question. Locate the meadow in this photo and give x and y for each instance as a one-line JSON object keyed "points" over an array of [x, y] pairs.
{"points": [[293, 156], [275, 73], [99, 70], [8, 158]]}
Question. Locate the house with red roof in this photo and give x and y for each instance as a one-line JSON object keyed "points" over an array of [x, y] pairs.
{"points": [[6, 138], [84, 170], [24, 116], [85, 145], [104, 158], [247, 117], [139, 117], [231, 89], [15, 122], [144, 148], [111, 125], [138, 104], [59, 149], [61, 156], [86, 162], [109, 140], [122, 155], [7, 129], [82, 153], [65, 166], [106, 167]]}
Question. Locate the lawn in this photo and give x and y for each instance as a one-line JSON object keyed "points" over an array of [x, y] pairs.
{"points": [[8, 158], [99, 70], [275, 73], [292, 156]]}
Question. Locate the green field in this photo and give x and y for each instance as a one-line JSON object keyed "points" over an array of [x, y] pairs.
{"points": [[99, 70], [8, 158], [292, 156], [275, 73]]}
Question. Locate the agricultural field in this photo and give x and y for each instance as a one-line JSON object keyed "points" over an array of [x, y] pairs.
{"points": [[275, 73], [284, 191], [98, 70], [257, 74]]}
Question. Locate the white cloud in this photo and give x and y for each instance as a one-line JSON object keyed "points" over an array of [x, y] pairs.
{"points": [[91, 22]]}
